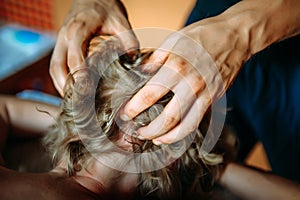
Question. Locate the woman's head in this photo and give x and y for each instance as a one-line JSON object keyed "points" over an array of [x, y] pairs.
{"points": [[89, 127]]}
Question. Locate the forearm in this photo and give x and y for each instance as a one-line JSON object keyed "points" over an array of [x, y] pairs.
{"points": [[259, 23], [248, 183], [244, 29], [23, 116]]}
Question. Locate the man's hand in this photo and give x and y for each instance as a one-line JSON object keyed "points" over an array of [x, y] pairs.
{"points": [[195, 77], [86, 19], [200, 62]]}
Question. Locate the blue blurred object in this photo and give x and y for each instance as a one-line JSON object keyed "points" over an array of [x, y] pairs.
{"points": [[27, 37], [21, 46], [39, 96]]}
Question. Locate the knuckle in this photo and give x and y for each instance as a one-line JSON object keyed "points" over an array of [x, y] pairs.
{"points": [[181, 66], [198, 85], [148, 97], [170, 120], [131, 112], [76, 25], [76, 28]]}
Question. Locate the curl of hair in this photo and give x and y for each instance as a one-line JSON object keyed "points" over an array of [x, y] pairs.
{"points": [[110, 81]]}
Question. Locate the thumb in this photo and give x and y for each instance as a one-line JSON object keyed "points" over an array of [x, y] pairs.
{"points": [[129, 42]]}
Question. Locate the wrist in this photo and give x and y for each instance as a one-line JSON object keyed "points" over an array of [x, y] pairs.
{"points": [[244, 29]]}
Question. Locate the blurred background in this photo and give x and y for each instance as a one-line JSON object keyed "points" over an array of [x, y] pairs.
{"points": [[28, 29], [27, 36]]}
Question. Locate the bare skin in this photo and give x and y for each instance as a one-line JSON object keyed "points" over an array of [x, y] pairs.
{"points": [[228, 40], [85, 19], [249, 183], [16, 185], [97, 181]]}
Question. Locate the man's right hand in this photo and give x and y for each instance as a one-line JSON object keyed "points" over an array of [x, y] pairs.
{"points": [[86, 19]]}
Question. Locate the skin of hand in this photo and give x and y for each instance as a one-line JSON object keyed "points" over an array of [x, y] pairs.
{"points": [[85, 19], [225, 42]]}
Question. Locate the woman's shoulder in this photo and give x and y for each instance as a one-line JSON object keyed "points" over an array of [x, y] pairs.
{"points": [[62, 186]]}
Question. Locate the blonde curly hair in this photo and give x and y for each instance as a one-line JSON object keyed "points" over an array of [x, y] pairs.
{"points": [[93, 97]]}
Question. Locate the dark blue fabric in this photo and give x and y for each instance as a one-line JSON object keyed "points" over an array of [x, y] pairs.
{"points": [[208, 8], [265, 98], [266, 94]]}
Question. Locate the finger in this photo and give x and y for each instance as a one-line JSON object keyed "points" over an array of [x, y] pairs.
{"points": [[58, 65], [142, 100], [75, 54], [120, 26], [188, 124], [129, 41], [77, 35], [154, 89], [171, 115], [156, 60], [186, 92]]}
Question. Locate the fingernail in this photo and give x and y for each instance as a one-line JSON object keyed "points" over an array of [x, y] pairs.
{"points": [[124, 117], [140, 137], [156, 142], [147, 67]]}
